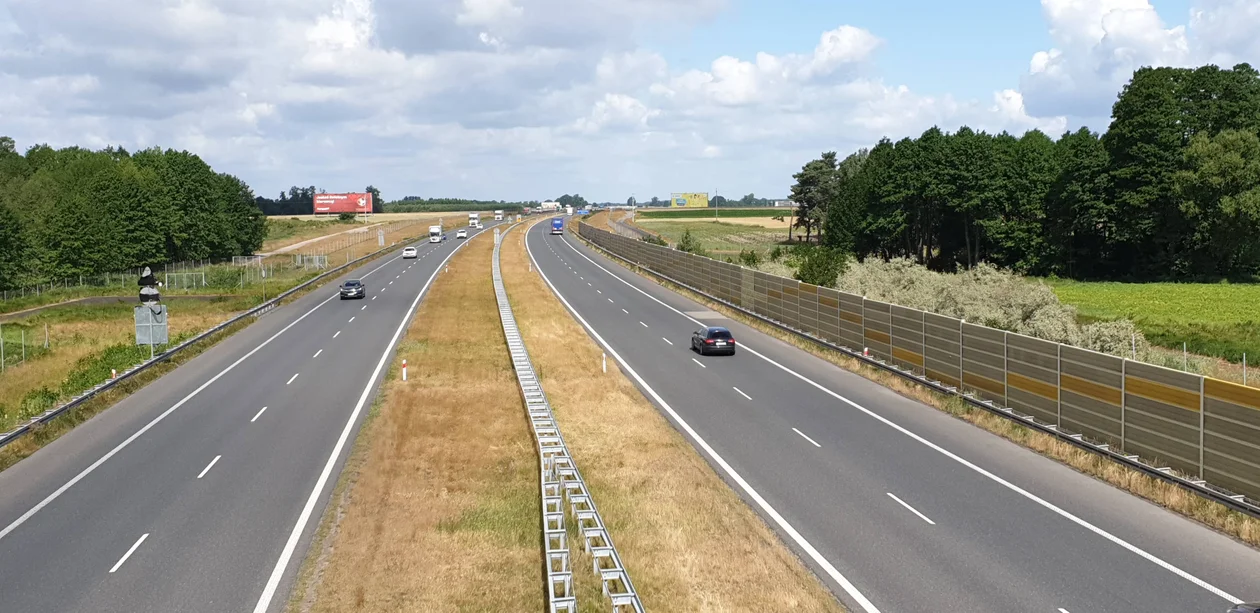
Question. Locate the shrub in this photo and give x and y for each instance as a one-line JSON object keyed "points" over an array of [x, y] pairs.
{"points": [[776, 253], [345, 217], [689, 244], [654, 240], [821, 266], [749, 258]]}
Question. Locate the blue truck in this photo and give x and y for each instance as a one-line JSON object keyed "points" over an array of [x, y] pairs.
{"points": [[557, 225]]}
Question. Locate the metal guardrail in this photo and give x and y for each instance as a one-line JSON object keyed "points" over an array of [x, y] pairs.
{"points": [[559, 481], [1194, 485], [258, 311]]}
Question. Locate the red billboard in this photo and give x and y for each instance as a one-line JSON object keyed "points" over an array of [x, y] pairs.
{"points": [[343, 203]]}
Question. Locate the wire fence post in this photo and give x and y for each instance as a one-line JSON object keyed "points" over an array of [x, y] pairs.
{"points": [[23, 347], [1, 348], [1185, 357], [45, 336], [1244, 368]]}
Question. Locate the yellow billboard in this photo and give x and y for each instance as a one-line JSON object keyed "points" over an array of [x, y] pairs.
{"points": [[689, 200]]}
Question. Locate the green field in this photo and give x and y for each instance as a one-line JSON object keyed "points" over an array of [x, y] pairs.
{"points": [[719, 239], [709, 212], [1213, 319]]}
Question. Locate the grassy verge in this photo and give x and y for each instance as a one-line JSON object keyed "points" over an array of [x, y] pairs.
{"points": [[1213, 319], [285, 231], [708, 212], [717, 237], [84, 343], [438, 507], [1167, 495], [41, 435], [688, 541]]}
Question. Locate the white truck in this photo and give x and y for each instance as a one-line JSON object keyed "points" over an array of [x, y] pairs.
{"points": [[498, 215], [435, 234], [474, 219], [568, 210]]}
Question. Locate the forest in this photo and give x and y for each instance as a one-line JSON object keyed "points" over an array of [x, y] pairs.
{"points": [[1170, 191], [73, 211]]}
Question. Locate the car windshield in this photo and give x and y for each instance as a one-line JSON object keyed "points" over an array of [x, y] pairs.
{"points": [[719, 334], [352, 283]]}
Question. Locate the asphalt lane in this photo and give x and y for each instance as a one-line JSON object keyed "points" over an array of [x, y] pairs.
{"points": [[937, 515], [193, 512]]}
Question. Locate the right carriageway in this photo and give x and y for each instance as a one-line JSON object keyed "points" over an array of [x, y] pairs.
{"points": [[900, 508]]}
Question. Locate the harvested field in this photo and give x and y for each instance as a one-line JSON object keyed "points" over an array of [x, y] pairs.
{"points": [[688, 541], [437, 509]]}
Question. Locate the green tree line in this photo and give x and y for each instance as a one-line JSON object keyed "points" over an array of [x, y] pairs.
{"points": [[72, 211], [414, 204], [1171, 190]]}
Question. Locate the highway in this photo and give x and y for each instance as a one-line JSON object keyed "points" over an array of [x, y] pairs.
{"points": [[201, 491], [899, 507]]}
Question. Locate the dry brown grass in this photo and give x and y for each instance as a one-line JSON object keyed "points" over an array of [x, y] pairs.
{"points": [[78, 332], [1214, 515], [438, 508], [599, 220], [688, 541], [41, 435]]}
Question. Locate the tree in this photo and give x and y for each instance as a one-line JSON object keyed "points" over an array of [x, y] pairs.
{"points": [[1079, 214], [378, 203], [844, 213], [821, 266], [1220, 191], [814, 190]]}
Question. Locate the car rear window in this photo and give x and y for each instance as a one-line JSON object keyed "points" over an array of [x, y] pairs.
{"points": [[719, 334]]}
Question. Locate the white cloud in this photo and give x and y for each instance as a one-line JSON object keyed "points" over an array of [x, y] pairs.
{"points": [[1099, 43], [522, 98]]}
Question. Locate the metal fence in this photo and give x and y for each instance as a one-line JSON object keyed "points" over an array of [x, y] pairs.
{"points": [[1162, 419], [559, 481]]}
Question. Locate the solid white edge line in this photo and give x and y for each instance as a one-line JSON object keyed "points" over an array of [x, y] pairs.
{"points": [[910, 508], [129, 552], [951, 455], [698, 362], [295, 375], [259, 414], [209, 466], [741, 392], [273, 583], [803, 435], [761, 502]]}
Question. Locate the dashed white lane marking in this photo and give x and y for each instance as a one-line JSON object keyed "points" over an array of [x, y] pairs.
{"points": [[914, 510], [209, 466], [806, 437], [260, 412], [698, 362], [351, 320], [317, 354], [667, 340], [643, 324], [295, 375], [129, 552], [625, 311], [741, 392], [337, 334]]}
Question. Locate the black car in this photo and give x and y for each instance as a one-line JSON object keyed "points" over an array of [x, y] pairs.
{"points": [[353, 289], [713, 340], [1245, 607]]}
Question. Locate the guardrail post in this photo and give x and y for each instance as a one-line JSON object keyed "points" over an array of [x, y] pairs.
{"points": [[404, 370]]}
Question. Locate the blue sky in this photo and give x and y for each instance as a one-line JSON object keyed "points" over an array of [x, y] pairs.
{"points": [[517, 99]]}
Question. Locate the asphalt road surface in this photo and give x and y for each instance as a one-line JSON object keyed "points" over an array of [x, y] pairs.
{"points": [[899, 507], [200, 492]]}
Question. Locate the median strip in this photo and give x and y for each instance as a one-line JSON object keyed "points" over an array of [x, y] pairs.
{"points": [[437, 507]]}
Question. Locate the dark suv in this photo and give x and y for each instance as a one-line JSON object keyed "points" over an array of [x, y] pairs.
{"points": [[713, 340], [353, 289], [1246, 607]]}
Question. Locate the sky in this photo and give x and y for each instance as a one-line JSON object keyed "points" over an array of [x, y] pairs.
{"points": [[531, 99]]}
